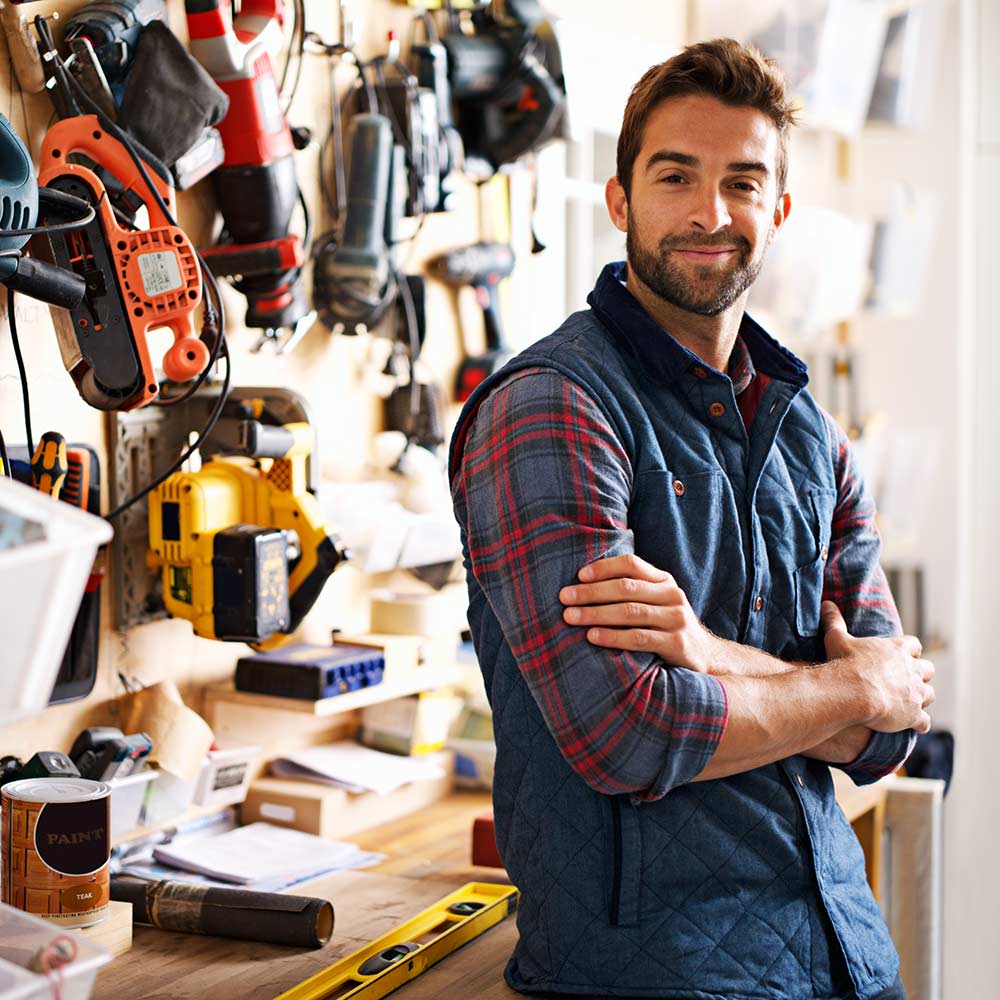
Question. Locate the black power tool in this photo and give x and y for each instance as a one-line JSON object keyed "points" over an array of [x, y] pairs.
{"points": [[483, 266]]}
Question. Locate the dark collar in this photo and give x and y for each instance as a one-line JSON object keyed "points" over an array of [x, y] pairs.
{"points": [[665, 358]]}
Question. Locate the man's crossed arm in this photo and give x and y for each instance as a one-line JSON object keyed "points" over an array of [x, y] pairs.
{"points": [[826, 711]]}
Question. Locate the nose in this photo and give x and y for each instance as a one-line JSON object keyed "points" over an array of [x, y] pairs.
{"points": [[709, 212]]}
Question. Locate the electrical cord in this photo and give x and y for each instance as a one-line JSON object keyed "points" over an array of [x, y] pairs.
{"points": [[57, 227], [25, 398], [213, 419], [298, 28]]}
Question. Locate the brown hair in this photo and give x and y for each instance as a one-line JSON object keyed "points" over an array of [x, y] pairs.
{"points": [[738, 75]]}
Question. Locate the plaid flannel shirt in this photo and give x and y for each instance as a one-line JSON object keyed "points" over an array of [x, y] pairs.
{"points": [[539, 427]]}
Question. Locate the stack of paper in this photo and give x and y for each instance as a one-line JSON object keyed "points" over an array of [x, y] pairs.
{"points": [[262, 853], [354, 767]]}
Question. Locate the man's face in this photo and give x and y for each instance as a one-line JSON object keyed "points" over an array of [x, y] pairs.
{"points": [[704, 204]]}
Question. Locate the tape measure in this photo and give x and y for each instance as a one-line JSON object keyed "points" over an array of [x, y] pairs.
{"points": [[414, 946]]}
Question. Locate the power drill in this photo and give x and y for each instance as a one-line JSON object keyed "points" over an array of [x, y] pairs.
{"points": [[483, 266], [256, 188], [242, 544]]}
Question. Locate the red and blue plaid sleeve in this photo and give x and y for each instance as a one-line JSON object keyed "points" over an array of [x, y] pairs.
{"points": [[856, 583], [542, 489]]}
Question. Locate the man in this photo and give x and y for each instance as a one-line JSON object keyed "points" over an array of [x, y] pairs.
{"points": [[653, 509]]}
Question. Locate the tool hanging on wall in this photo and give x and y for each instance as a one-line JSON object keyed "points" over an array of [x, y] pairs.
{"points": [[137, 280], [404, 953], [256, 188], [482, 266], [414, 406], [21, 197], [506, 81], [354, 281], [241, 544], [123, 55]]}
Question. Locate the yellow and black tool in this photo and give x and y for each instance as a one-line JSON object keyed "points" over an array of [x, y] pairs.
{"points": [[401, 955], [242, 544], [49, 464]]}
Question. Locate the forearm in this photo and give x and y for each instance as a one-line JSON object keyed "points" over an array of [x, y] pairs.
{"points": [[841, 748], [748, 661], [778, 716]]}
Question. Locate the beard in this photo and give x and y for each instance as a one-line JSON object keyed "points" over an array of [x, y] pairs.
{"points": [[705, 289]]}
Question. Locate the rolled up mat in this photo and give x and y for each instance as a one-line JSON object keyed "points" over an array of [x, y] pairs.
{"points": [[273, 917]]}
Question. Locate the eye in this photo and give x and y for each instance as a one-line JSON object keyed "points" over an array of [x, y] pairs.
{"points": [[745, 186], [674, 179]]}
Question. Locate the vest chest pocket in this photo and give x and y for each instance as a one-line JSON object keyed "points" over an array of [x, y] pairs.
{"points": [[809, 577], [677, 521]]}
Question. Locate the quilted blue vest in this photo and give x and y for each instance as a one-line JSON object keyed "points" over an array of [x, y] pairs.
{"points": [[747, 887]]}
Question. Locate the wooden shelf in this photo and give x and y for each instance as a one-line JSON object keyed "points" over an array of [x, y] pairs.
{"points": [[393, 685]]}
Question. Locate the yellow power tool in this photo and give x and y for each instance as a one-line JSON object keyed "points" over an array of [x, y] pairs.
{"points": [[242, 544]]}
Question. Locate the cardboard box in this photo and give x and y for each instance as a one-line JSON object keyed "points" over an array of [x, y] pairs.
{"points": [[332, 812]]}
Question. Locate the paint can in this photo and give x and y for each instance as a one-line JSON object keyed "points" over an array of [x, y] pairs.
{"points": [[55, 848]]}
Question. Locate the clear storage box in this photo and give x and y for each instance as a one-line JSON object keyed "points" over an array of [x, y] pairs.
{"points": [[27, 943], [127, 797]]}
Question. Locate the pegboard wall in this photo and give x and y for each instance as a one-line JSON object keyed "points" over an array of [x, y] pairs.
{"points": [[333, 374]]}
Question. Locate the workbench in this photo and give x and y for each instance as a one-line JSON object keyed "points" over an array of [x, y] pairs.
{"points": [[427, 857]]}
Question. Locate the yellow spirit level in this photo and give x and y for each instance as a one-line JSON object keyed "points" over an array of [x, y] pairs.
{"points": [[401, 955]]}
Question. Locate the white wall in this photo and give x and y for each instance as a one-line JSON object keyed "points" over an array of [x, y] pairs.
{"points": [[972, 812]]}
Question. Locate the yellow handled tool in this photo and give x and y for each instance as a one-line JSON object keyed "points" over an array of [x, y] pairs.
{"points": [[414, 946], [49, 465]]}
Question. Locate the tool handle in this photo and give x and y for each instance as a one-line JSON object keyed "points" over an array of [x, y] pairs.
{"points": [[488, 296], [49, 465], [49, 283]]}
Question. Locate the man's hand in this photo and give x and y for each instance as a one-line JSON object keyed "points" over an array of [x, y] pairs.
{"points": [[626, 603], [894, 678]]}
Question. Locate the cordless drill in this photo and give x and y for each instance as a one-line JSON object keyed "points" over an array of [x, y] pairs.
{"points": [[483, 266], [256, 188]]}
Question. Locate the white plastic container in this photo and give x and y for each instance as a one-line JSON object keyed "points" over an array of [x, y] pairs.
{"points": [[127, 797], [22, 938], [225, 778], [47, 549]]}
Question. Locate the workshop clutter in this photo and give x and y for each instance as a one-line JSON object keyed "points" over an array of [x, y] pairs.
{"points": [[239, 544]]}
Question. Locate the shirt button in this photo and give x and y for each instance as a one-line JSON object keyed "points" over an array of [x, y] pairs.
{"points": [[758, 604], [716, 409], [678, 487], [699, 372]]}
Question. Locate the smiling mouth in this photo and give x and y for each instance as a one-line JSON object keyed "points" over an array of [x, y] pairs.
{"points": [[707, 255]]}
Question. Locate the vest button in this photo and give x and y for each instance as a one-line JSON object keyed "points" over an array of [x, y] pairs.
{"points": [[699, 372], [824, 553], [678, 487], [716, 409], [758, 604]]}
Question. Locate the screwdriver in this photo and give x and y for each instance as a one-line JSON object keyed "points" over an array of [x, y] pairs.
{"points": [[49, 465]]}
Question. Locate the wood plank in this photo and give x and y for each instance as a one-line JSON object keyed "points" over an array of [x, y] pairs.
{"points": [[114, 932], [394, 685]]}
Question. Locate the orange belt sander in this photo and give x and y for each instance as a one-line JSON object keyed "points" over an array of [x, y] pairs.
{"points": [[137, 280]]}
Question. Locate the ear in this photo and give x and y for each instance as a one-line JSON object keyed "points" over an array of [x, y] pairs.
{"points": [[781, 212], [617, 202]]}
